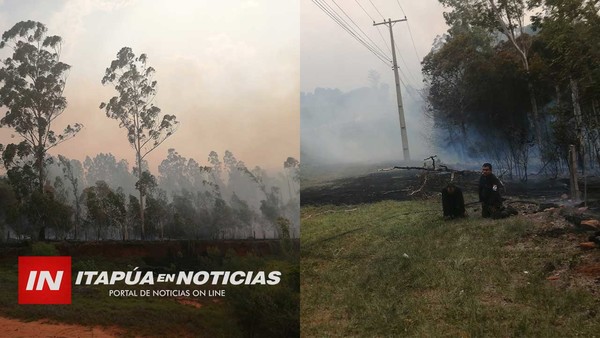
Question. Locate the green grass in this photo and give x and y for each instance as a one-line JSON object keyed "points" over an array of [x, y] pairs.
{"points": [[397, 269]]}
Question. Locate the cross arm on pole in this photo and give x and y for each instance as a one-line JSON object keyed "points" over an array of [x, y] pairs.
{"points": [[388, 22]]}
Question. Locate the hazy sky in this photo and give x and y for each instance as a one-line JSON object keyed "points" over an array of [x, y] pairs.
{"points": [[229, 70], [332, 58]]}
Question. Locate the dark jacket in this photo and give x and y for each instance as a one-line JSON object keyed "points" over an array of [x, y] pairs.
{"points": [[453, 203], [489, 190]]}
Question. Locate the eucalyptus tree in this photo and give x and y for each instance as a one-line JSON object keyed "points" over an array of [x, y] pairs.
{"points": [[477, 99], [8, 205], [241, 181], [270, 207], [243, 215], [570, 32], [173, 173], [73, 172], [507, 17], [105, 167], [453, 74], [157, 210], [292, 168], [32, 84], [216, 172], [133, 107], [105, 209]]}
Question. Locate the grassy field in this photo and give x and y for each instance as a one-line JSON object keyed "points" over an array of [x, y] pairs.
{"points": [[394, 269]]}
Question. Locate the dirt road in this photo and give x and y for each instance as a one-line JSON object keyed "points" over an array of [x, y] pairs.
{"points": [[13, 328]]}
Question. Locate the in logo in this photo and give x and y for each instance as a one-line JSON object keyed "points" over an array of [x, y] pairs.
{"points": [[44, 280]]}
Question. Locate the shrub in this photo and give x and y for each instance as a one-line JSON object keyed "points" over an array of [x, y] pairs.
{"points": [[44, 249]]}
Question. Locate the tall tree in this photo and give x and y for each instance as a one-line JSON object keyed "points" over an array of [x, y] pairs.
{"points": [[570, 32], [8, 204], [173, 173], [477, 98], [270, 208], [105, 167], [33, 81], [508, 18], [216, 170], [291, 167], [73, 172], [44, 211], [135, 110], [157, 209], [178, 173], [105, 209]]}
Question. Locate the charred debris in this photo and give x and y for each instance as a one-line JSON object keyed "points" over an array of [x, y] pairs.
{"points": [[537, 194]]}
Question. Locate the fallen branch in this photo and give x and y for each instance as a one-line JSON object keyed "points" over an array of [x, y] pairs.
{"points": [[393, 191], [328, 212], [442, 168], [513, 201], [421, 188], [524, 202], [412, 168]]}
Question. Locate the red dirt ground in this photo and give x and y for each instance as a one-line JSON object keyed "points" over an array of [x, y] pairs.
{"points": [[43, 328]]}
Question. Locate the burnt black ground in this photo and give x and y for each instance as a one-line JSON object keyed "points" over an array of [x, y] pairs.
{"points": [[356, 190], [401, 185], [374, 187]]}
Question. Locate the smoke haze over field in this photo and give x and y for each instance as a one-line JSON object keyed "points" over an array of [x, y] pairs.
{"points": [[346, 114], [228, 70], [358, 126]]}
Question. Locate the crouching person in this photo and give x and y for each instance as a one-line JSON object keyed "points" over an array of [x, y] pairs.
{"points": [[453, 202], [489, 195]]}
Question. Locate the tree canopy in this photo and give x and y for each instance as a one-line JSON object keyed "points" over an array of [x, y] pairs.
{"points": [[135, 110], [491, 70], [32, 84]]}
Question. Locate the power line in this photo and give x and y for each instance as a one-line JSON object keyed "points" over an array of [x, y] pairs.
{"points": [[409, 32], [373, 42], [413, 43], [382, 38], [335, 17], [405, 65], [407, 68], [379, 50], [378, 30], [376, 9], [385, 43], [361, 38], [340, 21], [398, 1], [367, 13]]}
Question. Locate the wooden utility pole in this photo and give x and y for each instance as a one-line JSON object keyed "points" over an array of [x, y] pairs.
{"points": [[406, 152]]}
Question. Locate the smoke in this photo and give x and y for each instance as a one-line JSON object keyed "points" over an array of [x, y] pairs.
{"points": [[193, 188], [360, 126]]}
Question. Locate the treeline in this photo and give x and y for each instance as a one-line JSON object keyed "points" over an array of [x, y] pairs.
{"points": [[95, 200], [517, 82], [44, 197]]}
